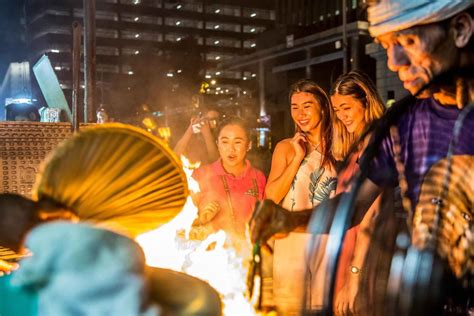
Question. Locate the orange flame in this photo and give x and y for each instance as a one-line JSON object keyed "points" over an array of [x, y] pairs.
{"points": [[210, 260]]}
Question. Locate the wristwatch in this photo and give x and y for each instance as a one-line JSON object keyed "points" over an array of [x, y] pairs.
{"points": [[355, 270]]}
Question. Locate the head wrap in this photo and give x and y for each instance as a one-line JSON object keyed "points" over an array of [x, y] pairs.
{"points": [[78, 269], [394, 15]]}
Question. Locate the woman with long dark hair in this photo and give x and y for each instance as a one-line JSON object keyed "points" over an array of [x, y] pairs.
{"points": [[302, 175]]}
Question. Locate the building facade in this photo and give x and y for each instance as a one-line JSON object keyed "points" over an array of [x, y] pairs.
{"points": [[314, 40], [166, 39]]}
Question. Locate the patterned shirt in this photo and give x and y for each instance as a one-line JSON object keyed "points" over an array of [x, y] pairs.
{"points": [[425, 132]]}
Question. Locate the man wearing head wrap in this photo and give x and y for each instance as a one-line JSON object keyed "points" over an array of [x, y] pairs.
{"points": [[429, 43]]}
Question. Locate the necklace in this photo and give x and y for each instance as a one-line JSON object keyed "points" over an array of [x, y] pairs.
{"points": [[315, 147]]}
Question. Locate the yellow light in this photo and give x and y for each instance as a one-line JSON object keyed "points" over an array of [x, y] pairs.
{"points": [[165, 133], [204, 87], [149, 123]]}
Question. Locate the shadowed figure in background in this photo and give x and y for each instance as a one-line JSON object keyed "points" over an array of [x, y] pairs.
{"points": [[198, 142], [423, 39]]}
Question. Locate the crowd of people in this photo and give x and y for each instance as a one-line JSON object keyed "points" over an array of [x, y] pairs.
{"points": [[415, 146], [424, 145]]}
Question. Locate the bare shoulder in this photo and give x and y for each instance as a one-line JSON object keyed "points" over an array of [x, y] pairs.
{"points": [[283, 150], [284, 146]]}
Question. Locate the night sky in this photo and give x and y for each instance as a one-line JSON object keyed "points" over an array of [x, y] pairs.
{"points": [[12, 43]]}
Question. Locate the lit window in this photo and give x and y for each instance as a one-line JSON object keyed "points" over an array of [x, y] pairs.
{"points": [[253, 15], [216, 42], [217, 11], [178, 22], [136, 19], [218, 57], [216, 26], [137, 35]]}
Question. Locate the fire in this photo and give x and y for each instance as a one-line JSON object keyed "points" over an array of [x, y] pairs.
{"points": [[210, 260]]}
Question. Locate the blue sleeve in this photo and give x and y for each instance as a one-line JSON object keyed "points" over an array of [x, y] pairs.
{"points": [[382, 170]]}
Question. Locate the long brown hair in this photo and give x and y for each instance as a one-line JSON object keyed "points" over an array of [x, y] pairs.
{"points": [[308, 86], [359, 86]]}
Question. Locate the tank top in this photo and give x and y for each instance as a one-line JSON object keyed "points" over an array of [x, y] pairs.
{"points": [[311, 185]]}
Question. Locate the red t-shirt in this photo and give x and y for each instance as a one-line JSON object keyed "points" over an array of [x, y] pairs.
{"points": [[235, 195]]}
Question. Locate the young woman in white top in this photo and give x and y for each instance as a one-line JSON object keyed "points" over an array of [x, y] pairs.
{"points": [[301, 176]]}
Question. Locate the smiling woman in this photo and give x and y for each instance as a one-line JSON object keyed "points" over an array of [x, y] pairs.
{"points": [[302, 175], [356, 104]]}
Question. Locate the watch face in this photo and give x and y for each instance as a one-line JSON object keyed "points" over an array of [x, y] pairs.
{"points": [[355, 270]]}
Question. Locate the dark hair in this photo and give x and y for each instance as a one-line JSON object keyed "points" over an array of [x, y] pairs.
{"points": [[17, 216], [234, 120], [309, 86]]}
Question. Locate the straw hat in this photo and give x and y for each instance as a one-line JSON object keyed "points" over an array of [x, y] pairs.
{"points": [[117, 176]]}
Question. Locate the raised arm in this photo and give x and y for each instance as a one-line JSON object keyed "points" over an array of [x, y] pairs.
{"points": [[180, 148], [211, 146]]}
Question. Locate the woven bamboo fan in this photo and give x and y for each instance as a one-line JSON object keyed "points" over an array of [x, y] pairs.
{"points": [[453, 204], [116, 175]]}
